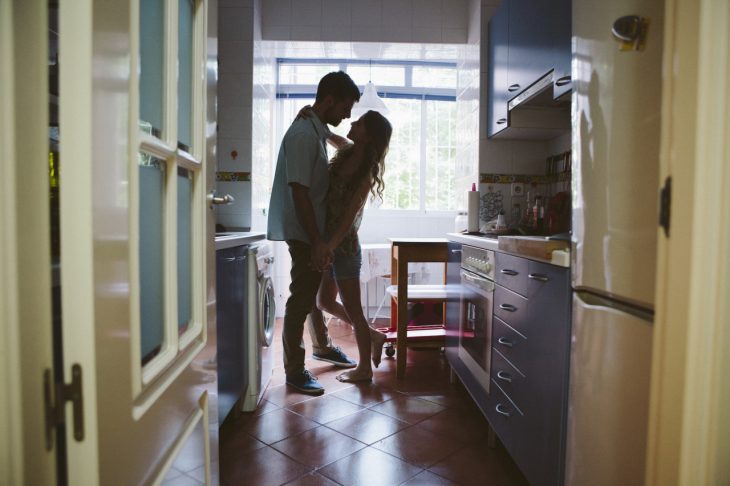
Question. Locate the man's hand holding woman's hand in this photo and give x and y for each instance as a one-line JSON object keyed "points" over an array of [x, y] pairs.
{"points": [[322, 256]]}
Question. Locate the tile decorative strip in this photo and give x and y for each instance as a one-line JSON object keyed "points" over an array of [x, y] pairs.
{"points": [[523, 178], [233, 176]]}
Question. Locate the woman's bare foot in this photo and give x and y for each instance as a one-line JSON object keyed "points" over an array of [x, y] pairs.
{"points": [[377, 339], [355, 376]]}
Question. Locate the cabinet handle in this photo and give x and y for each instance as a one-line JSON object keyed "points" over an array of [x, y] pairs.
{"points": [[508, 307], [513, 87], [504, 376], [506, 342], [562, 81], [455, 251], [241, 259], [500, 409], [501, 121], [538, 276], [229, 259], [507, 271]]}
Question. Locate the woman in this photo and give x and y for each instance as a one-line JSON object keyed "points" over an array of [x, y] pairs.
{"points": [[356, 170]]}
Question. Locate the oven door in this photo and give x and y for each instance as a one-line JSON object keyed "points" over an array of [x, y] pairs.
{"points": [[475, 325]]}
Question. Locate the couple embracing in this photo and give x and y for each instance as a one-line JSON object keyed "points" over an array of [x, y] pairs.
{"points": [[316, 208]]}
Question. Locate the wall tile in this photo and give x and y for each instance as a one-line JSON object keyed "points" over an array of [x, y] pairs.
{"points": [[235, 56], [236, 3], [495, 157], [235, 24], [275, 32], [234, 123], [310, 33], [242, 160], [456, 36], [427, 13], [276, 12], [426, 34], [402, 33], [367, 13], [332, 32], [454, 14], [398, 13], [336, 13], [234, 90], [367, 33], [307, 12]]}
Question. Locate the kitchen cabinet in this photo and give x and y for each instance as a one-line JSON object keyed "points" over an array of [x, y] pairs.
{"points": [[497, 81], [527, 39], [527, 404], [231, 299]]}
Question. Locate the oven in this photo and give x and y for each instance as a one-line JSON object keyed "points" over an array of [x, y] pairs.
{"points": [[476, 304]]}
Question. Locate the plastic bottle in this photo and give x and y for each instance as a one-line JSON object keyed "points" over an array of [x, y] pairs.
{"points": [[460, 222]]}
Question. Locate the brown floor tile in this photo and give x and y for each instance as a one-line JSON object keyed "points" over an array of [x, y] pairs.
{"points": [[456, 423], [278, 425], [367, 426], [265, 406], [478, 464], [284, 395], [237, 446], [418, 446], [369, 466], [318, 447], [312, 479], [325, 408], [408, 409], [366, 394], [262, 467], [427, 478]]}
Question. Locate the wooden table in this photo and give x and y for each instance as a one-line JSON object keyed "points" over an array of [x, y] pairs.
{"points": [[404, 251]]}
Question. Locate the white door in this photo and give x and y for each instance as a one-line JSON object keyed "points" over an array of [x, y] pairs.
{"points": [[25, 257], [134, 239]]}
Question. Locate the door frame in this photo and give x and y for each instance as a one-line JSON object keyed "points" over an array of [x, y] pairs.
{"points": [[689, 425], [25, 256]]}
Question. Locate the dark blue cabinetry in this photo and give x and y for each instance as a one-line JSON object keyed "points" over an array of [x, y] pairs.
{"points": [[527, 404], [498, 81], [527, 40], [230, 326]]}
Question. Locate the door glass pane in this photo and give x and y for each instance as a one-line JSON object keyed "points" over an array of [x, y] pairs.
{"points": [[434, 77], [402, 176], [184, 247], [151, 59], [185, 74], [151, 257], [441, 193]]}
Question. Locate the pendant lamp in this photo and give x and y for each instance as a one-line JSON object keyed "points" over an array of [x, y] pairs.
{"points": [[369, 101]]}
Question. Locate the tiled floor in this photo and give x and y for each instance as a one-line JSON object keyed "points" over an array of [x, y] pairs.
{"points": [[417, 431]]}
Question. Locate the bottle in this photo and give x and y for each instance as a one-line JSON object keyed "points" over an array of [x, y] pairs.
{"points": [[514, 218], [472, 214], [538, 212]]}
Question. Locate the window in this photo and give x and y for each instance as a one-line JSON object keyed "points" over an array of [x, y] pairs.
{"points": [[421, 97]]}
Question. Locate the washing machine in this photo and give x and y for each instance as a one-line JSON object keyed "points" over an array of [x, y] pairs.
{"points": [[261, 320]]}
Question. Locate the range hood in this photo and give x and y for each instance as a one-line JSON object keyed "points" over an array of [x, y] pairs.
{"points": [[535, 115]]}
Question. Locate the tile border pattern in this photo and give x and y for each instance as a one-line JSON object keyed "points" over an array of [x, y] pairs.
{"points": [[232, 176]]}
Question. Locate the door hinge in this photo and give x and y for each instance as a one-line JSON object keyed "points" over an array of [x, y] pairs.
{"points": [[56, 395], [665, 205]]}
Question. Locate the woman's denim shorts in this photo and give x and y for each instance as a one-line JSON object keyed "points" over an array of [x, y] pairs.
{"points": [[346, 266]]}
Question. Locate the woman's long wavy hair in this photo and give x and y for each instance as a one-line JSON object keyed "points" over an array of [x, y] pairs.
{"points": [[379, 130]]}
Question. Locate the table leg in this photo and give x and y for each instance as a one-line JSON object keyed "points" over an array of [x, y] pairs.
{"points": [[402, 316]]}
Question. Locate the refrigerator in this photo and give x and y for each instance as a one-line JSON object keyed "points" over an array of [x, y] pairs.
{"points": [[616, 130]]}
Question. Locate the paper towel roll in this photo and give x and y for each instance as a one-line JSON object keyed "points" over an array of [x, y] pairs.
{"points": [[472, 222]]}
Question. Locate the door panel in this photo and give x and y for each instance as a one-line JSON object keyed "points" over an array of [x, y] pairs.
{"points": [[25, 255], [147, 404]]}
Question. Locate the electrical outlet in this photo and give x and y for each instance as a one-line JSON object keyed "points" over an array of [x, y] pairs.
{"points": [[518, 189]]}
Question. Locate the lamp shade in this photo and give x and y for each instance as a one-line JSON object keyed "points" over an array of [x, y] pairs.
{"points": [[369, 101]]}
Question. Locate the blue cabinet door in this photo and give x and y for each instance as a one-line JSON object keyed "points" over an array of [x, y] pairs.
{"points": [[562, 27], [453, 303], [497, 80], [530, 43]]}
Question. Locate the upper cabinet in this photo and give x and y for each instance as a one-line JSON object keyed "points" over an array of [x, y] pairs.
{"points": [[529, 41]]}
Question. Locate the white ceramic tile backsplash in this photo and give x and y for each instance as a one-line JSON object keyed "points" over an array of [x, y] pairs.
{"points": [[307, 12], [336, 13], [235, 24], [233, 56]]}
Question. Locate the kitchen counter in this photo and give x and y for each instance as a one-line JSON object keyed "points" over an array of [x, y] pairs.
{"points": [[559, 257], [237, 238]]}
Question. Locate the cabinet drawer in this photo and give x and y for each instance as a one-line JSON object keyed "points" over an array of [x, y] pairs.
{"points": [[511, 344], [511, 308], [509, 424], [511, 272], [511, 381], [543, 278]]}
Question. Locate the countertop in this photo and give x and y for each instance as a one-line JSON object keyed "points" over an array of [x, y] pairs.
{"points": [[237, 238], [560, 258]]}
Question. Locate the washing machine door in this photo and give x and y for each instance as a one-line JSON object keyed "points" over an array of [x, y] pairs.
{"points": [[267, 312]]}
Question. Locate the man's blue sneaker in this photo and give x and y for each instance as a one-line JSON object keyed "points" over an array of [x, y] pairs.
{"points": [[305, 383], [336, 357]]}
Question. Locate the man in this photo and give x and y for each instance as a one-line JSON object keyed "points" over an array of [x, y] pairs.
{"points": [[297, 215]]}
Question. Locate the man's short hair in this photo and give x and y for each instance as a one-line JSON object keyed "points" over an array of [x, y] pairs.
{"points": [[338, 85]]}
